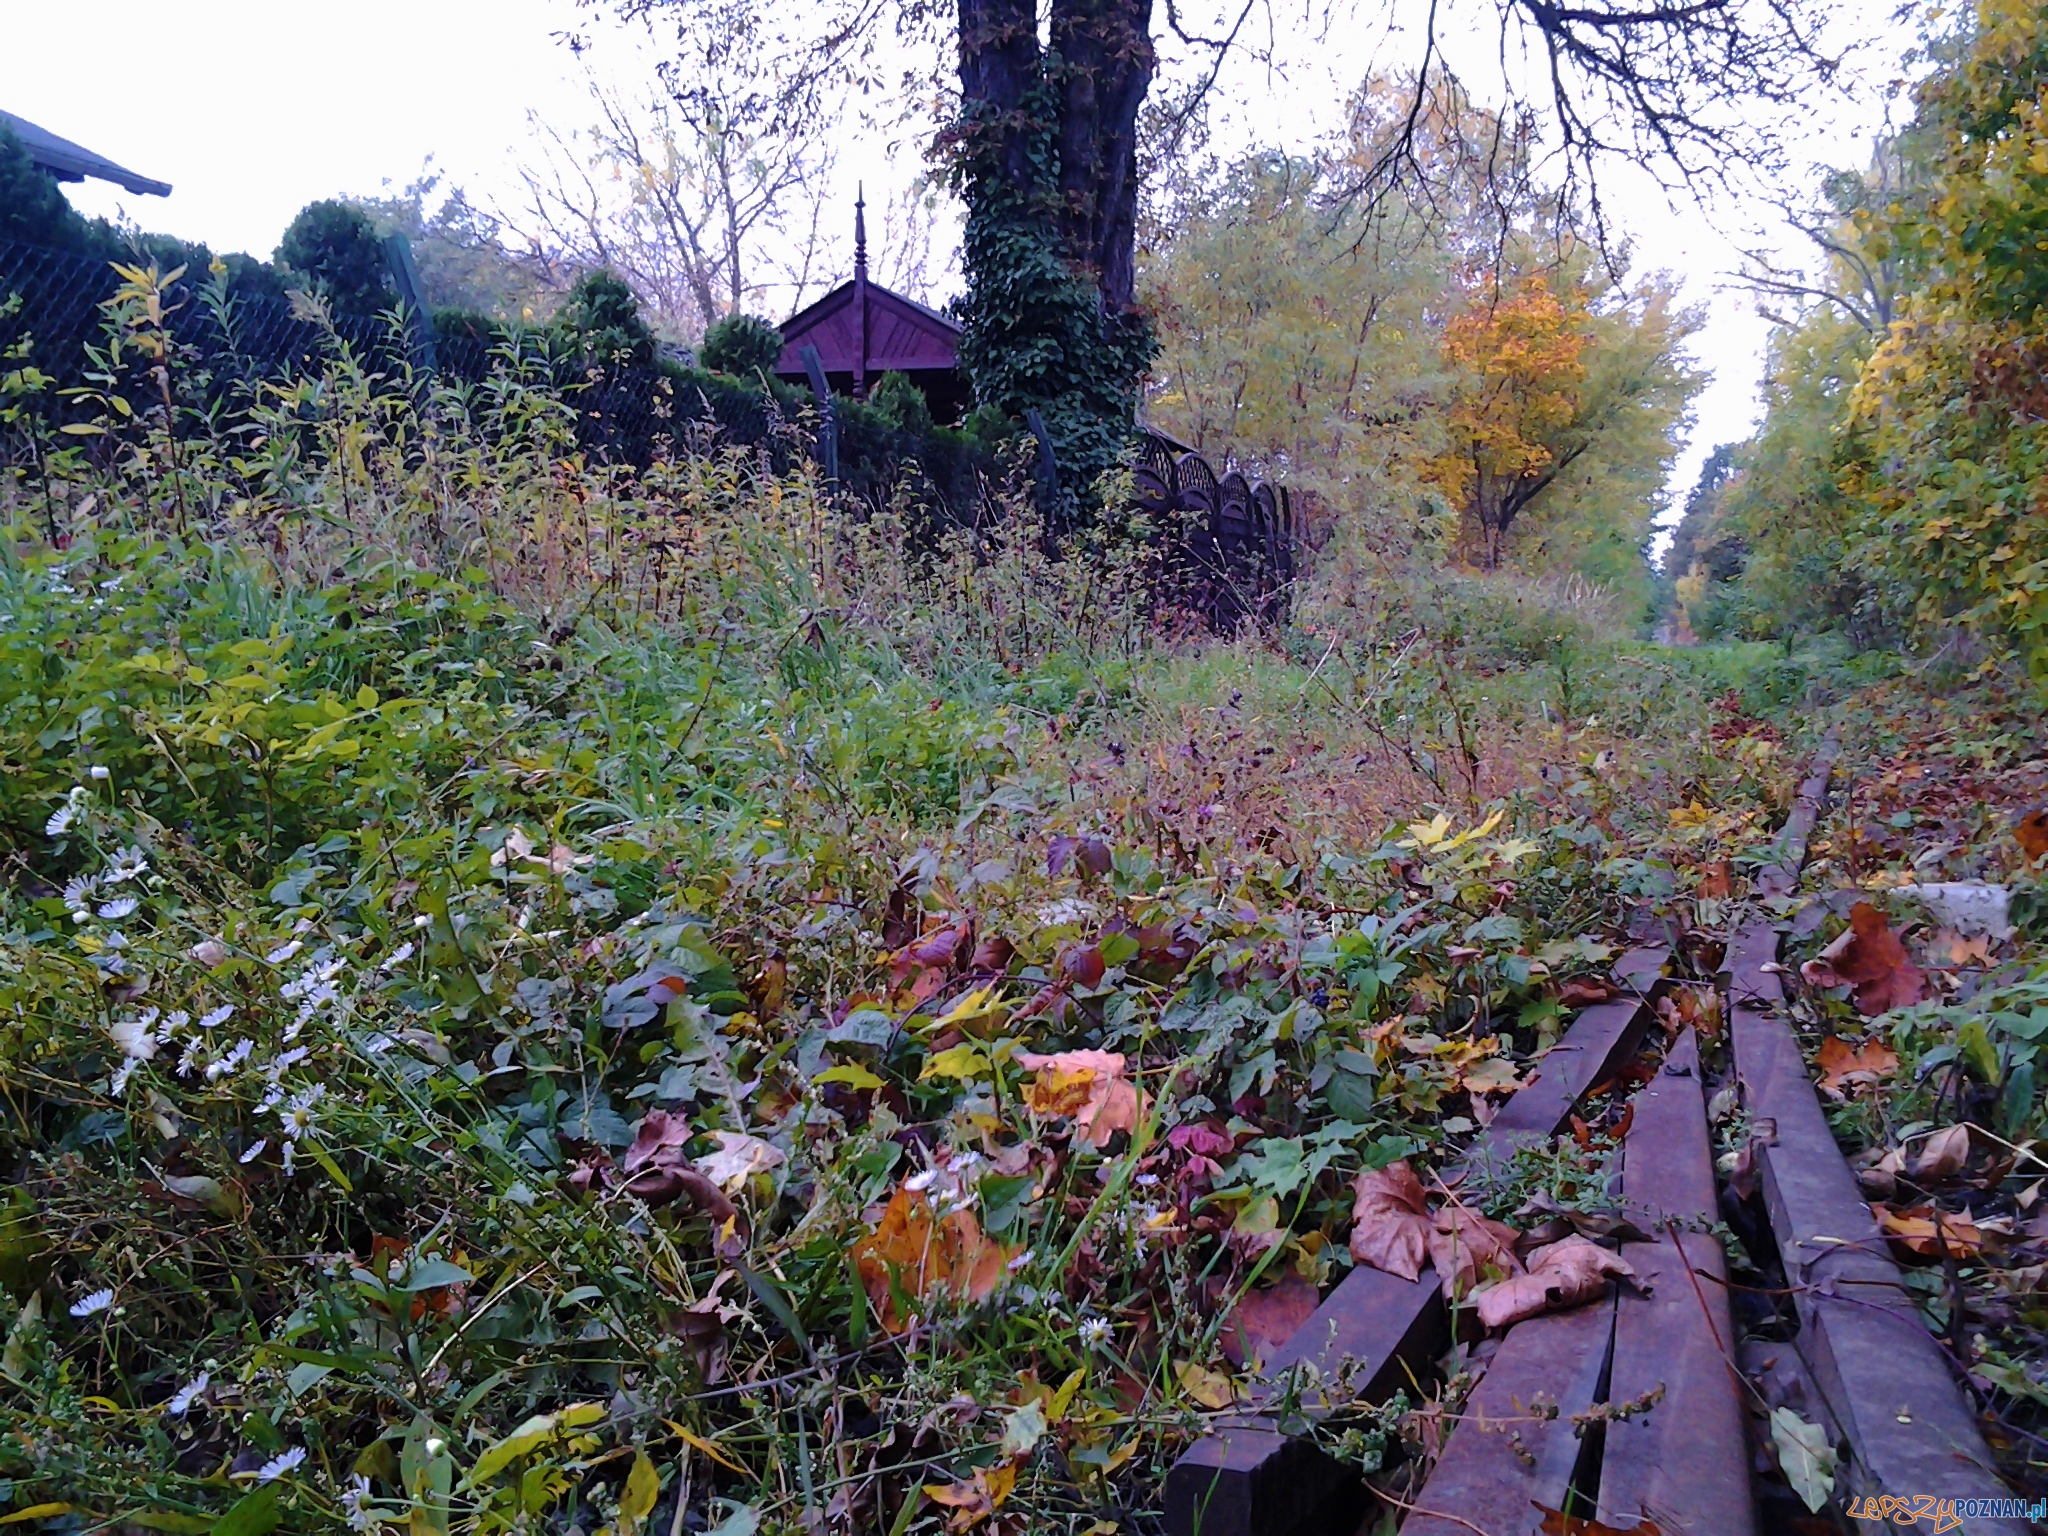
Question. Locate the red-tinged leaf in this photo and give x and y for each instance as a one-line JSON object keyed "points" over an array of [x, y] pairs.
{"points": [[1868, 959], [1584, 991], [1557, 1523], [1082, 965], [1717, 881], [1262, 1321], [1088, 857], [660, 1131], [993, 955], [1389, 1226]]}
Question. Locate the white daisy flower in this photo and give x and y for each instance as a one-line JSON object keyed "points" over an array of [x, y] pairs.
{"points": [[1096, 1332], [218, 1017], [79, 888], [126, 865], [136, 1037], [398, 956], [236, 1055], [355, 1503], [254, 1152], [117, 1085], [279, 1465], [298, 1113], [284, 952], [120, 907], [86, 1306], [186, 1396]]}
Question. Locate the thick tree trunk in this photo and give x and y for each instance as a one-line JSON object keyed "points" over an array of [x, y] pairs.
{"points": [[999, 67], [1103, 58], [1094, 74]]}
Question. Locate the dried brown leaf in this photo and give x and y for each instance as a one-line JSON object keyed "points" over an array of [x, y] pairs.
{"points": [[1389, 1222]]}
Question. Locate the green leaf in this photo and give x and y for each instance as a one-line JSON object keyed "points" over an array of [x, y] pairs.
{"points": [[169, 1520], [432, 1274], [1805, 1456], [253, 1515], [534, 1433]]}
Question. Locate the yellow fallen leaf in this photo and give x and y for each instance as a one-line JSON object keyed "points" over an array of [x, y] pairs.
{"points": [[1211, 1389], [708, 1447], [961, 1062], [851, 1073]]}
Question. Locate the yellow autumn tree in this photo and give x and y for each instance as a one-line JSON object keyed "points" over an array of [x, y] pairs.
{"points": [[1521, 350]]}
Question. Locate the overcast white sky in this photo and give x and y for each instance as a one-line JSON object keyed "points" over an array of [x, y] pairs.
{"points": [[251, 110]]}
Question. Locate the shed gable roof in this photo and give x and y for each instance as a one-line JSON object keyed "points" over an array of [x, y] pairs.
{"points": [[903, 335], [74, 162]]}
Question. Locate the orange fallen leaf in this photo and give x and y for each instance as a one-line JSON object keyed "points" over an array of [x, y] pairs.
{"points": [[1088, 1085], [1915, 1229], [1389, 1221], [975, 1499], [1562, 1274], [1717, 881], [1843, 1066], [1557, 1523], [921, 1255], [2032, 833], [1868, 959]]}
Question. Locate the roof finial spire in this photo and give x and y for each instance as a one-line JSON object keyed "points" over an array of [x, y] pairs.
{"points": [[860, 228]]}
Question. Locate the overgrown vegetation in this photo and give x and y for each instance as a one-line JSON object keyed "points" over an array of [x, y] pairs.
{"points": [[543, 995]]}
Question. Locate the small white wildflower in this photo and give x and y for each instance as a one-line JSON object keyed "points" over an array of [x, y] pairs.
{"points": [[209, 952], [117, 1085], [126, 865], [182, 1400], [190, 1058], [101, 772], [398, 956], [918, 1183], [355, 1503], [120, 907], [1095, 1332], [298, 1114], [279, 1465], [176, 1020], [136, 1037], [60, 820], [218, 1017], [1017, 1264], [81, 914], [78, 890], [284, 952], [421, 920], [236, 1055], [255, 1151], [378, 1044], [86, 1306], [286, 1062]]}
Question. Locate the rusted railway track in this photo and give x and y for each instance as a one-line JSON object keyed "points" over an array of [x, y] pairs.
{"points": [[1683, 1465]]}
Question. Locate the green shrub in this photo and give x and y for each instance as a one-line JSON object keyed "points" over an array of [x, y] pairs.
{"points": [[741, 345], [603, 316], [333, 248]]}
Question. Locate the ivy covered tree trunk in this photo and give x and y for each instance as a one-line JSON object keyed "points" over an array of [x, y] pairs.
{"points": [[1045, 156]]}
